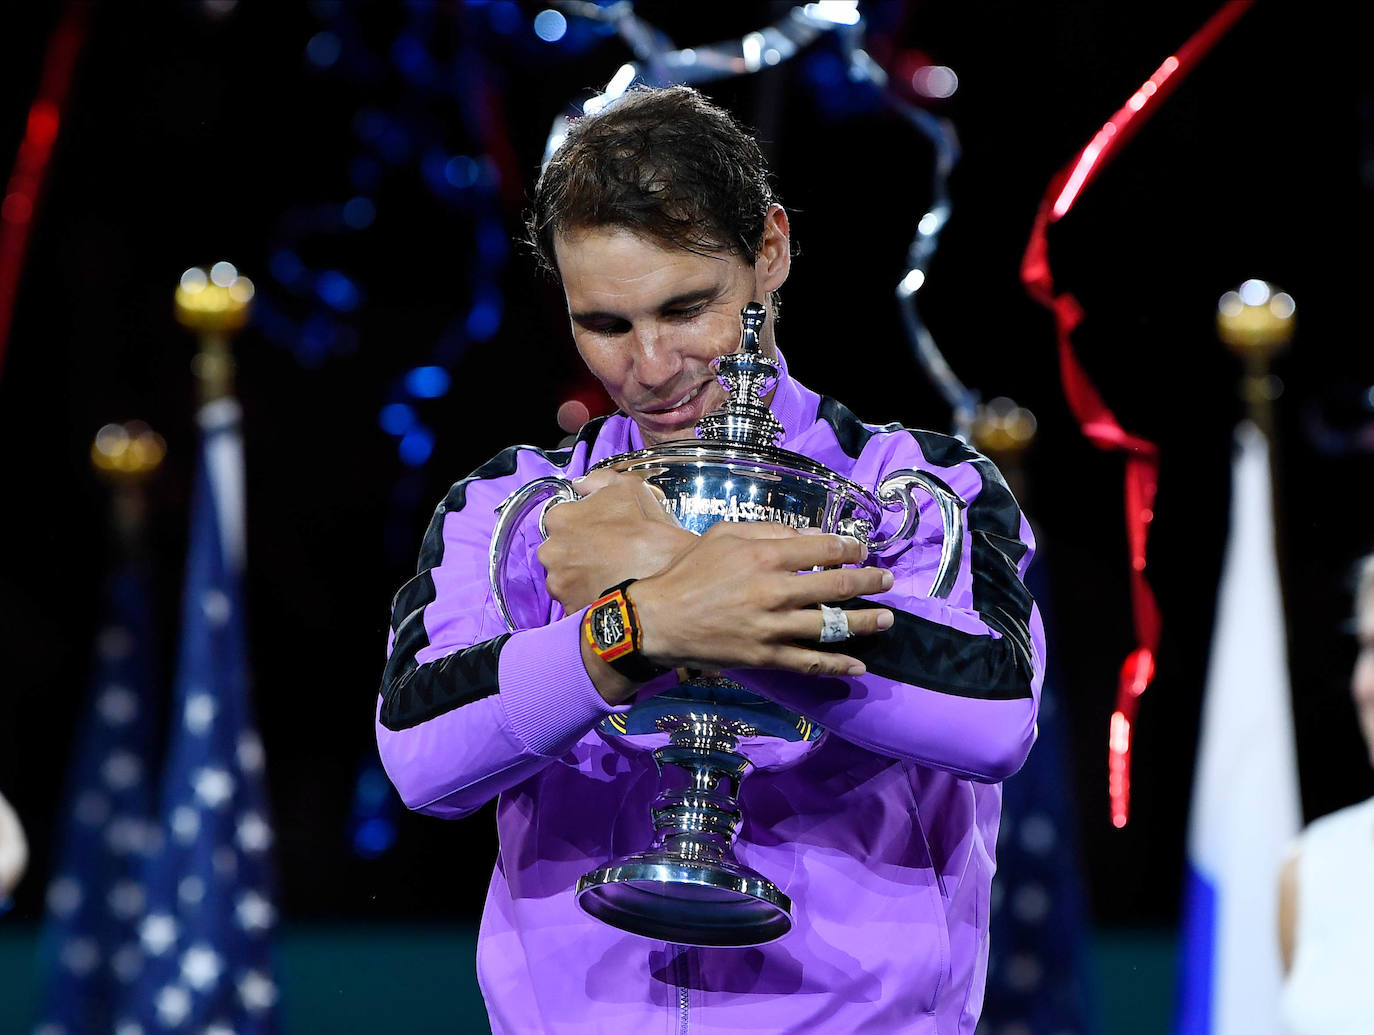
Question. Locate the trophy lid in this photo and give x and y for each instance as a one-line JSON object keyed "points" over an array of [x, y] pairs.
{"points": [[747, 375]]}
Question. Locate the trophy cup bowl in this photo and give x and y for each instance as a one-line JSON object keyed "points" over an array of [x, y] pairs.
{"points": [[687, 887]]}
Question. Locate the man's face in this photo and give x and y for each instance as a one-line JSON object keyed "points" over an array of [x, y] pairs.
{"points": [[648, 319]]}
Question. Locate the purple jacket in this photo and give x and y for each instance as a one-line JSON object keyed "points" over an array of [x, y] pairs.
{"points": [[883, 835]]}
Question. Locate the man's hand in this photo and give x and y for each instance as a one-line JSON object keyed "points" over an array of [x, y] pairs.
{"points": [[617, 531], [743, 596]]}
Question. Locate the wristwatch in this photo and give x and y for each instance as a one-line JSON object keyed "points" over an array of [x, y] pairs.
{"points": [[612, 629]]}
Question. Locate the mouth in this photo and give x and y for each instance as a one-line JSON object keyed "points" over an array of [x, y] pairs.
{"points": [[680, 413], [673, 408]]}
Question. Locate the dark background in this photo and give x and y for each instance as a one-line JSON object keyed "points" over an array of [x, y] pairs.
{"points": [[198, 132]]}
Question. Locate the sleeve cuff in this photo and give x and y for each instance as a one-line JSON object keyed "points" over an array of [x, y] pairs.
{"points": [[549, 699]]}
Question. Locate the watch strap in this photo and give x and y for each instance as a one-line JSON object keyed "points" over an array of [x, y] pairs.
{"points": [[623, 654]]}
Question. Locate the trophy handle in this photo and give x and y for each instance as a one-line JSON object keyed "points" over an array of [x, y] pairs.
{"points": [[896, 488], [542, 493]]}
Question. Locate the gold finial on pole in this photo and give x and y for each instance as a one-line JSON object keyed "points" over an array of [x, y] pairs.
{"points": [[1256, 321], [214, 303], [1002, 429], [128, 452], [126, 456]]}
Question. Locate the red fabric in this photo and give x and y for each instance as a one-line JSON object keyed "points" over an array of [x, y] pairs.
{"points": [[1095, 419], [19, 203]]}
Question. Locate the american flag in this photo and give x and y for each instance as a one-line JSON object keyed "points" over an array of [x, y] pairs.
{"points": [[89, 950], [207, 932], [1039, 973]]}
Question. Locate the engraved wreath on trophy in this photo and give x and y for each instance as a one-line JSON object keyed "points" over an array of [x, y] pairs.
{"points": [[686, 887]]}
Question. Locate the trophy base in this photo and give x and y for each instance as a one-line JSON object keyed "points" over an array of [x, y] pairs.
{"points": [[662, 896]]}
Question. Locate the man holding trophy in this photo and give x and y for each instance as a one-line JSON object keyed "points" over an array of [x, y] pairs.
{"points": [[730, 576]]}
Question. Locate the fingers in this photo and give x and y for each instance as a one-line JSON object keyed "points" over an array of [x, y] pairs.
{"points": [[595, 481], [863, 621], [814, 587], [815, 663], [749, 530], [628, 493], [804, 627], [797, 549]]}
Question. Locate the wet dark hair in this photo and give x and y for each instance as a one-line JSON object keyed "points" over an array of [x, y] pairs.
{"points": [[664, 163]]}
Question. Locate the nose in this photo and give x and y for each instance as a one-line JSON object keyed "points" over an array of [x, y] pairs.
{"points": [[657, 360]]}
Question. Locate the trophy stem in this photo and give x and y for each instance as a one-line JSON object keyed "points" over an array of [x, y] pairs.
{"points": [[696, 813], [687, 888]]}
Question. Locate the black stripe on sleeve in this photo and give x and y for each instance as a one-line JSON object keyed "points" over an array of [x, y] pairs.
{"points": [[417, 693], [411, 693], [926, 653]]}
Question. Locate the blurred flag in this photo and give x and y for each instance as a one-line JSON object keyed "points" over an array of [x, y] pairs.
{"points": [[1039, 978], [1245, 808], [89, 949], [206, 934]]}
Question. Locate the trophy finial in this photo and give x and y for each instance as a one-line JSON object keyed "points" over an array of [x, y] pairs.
{"points": [[752, 317], [748, 375]]}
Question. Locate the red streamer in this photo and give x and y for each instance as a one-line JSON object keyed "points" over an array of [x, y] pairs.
{"points": [[19, 203], [1096, 420]]}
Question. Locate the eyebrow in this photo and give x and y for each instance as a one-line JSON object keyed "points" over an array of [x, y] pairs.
{"points": [[686, 298]]}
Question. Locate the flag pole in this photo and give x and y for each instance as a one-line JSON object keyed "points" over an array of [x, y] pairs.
{"points": [[89, 942]]}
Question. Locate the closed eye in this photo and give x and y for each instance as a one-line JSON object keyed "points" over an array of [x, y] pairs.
{"points": [[607, 326], [680, 311]]}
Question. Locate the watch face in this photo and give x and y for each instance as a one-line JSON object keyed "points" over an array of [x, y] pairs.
{"points": [[608, 625]]}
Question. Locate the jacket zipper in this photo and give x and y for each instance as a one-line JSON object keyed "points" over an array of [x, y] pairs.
{"points": [[683, 989]]}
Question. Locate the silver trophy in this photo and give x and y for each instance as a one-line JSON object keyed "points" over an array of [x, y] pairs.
{"points": [[686, 887]]}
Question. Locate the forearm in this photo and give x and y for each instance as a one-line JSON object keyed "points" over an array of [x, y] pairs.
{"points": [[959, 699], [455, 731], [953, 684]]}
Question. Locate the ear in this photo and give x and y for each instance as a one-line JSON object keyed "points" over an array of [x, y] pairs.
{"points": [[774, 260]]}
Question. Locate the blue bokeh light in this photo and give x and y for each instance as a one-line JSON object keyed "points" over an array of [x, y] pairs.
{"points": [[286, 266], [416, 445], [428, 382], [359, 212], [461, 171], [484, 319], [373, 837], [338, 291], [323, 49], [373, 789], [396, 418]]}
